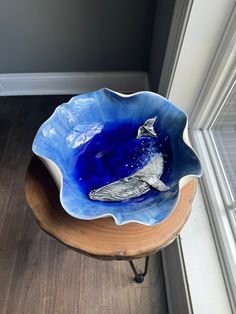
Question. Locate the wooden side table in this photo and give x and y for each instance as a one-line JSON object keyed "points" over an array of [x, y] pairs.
{"points": [[101, 238]]}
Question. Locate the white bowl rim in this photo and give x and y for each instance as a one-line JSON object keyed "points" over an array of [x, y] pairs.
{"points": [[55, 171]]}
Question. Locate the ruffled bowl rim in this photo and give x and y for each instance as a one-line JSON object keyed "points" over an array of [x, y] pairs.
{"points": [[56, 173]]}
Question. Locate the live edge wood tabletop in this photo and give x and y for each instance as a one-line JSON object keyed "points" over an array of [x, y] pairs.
{"points": [[100, 238]]}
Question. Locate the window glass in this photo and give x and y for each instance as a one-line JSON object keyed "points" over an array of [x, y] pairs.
{"points": [[223, 131]]}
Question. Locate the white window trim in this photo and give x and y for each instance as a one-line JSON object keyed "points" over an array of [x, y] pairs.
{"points": [[197, 253], [220, 80]]}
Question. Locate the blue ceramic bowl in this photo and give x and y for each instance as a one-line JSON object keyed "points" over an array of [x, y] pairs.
{"points": [[91, 141]]}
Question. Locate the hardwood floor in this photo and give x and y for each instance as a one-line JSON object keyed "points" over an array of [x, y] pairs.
{"points": [[39, 275]]}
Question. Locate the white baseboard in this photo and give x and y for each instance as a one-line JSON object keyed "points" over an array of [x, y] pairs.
{"points": [[70, 83]]}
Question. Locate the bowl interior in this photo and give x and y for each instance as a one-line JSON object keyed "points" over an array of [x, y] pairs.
{"points": [[92, 139]]}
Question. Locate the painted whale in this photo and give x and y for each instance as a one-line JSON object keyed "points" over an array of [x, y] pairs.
{"points": [[141, 181]]}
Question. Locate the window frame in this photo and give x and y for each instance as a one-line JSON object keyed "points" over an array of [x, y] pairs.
{"points": [[197, 96], [221, 177], [216, 87]]}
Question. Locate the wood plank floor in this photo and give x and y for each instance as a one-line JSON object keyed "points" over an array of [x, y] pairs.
{"points": [[39, 275]]}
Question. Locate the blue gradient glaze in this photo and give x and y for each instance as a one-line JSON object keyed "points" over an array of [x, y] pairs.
{"points": [[92, 139]]}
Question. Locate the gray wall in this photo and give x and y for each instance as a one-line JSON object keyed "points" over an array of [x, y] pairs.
{"points": [[161, 29], [75, 35]]}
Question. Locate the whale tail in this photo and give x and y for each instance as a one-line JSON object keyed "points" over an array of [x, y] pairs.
{"points": [[147, 129]]}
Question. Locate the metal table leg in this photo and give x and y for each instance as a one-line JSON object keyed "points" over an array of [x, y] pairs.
{"points": [[139, 277]]}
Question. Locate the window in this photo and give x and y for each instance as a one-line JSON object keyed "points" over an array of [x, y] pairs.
{"points": [[202, 80], [214, 135], [222, 134]]}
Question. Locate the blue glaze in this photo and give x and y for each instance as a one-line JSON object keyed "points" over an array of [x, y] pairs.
{"points": [[115, 153], [92, 139]]}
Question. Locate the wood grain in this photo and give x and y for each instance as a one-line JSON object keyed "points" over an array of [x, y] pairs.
{"points": [[100, 238]]}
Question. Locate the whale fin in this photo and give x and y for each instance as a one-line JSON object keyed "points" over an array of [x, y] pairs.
{"points": [[147, 129], [160, 186]]}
